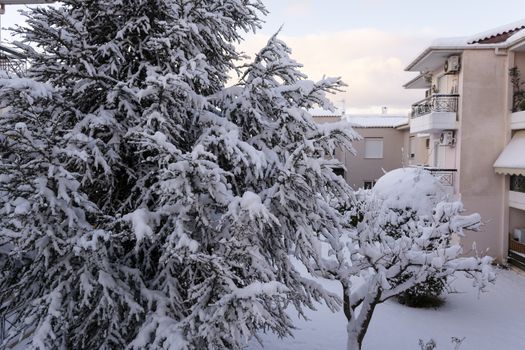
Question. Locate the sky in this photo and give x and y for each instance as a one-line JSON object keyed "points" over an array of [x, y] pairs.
{"points": [[367, 42]]}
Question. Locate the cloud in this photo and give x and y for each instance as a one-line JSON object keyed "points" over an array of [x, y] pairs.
{"points": [[299, 7], [370, 61]]}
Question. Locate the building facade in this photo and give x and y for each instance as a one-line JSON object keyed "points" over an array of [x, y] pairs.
{"points": [[467, 127], [383, 147]]}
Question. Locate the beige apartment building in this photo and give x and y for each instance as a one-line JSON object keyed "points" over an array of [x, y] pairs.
{"points": [[383, 146], [469, 129]]}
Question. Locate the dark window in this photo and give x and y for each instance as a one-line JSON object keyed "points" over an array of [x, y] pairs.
{"points": [[369, 184], [517, 183], [339, 171]]}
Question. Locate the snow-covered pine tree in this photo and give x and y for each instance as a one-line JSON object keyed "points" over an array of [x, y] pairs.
{"points": [[143, 204]]}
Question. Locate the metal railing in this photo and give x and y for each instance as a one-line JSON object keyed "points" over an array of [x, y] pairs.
{"points": [[445, 176], [435, 103], [12, 62]]}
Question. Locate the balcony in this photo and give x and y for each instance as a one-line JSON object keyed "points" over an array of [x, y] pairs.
{"points": [[517, 192], [447, 177], [435, 113], [517, 215]]}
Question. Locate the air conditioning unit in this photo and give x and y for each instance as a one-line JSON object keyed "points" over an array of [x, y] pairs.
{"points": [[447, 138], [519, 235], [452, 64]]}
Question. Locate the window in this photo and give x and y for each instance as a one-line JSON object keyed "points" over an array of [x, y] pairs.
{"points": [[373, 147], [369, 184], [339, 171], [517, 183]]}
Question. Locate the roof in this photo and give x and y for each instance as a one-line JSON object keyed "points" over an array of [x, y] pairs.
{"points": [[512, 160], [321, 112], [501, 37], [499, 34], [376, 121]]}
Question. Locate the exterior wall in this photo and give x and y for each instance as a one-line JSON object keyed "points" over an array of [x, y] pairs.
{"points": [[406, 147], [483, 111], [439, 156], [360, 169], [421, 152]]}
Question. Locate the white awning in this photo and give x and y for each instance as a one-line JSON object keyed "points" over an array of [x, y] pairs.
{"points": [[512, 160]]}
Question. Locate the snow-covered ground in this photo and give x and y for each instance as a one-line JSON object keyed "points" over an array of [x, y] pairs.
{"points": [[494, 320]]}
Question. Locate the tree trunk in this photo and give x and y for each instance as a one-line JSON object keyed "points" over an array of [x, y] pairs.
{"points": [[353, 335], [358, 326], [346, 301], [353, 339]]}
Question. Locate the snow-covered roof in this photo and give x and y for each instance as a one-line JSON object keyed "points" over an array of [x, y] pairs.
{"points": [[512, 160], [376, 121], [509, 28], [504, 35], [501, 37], [320, 112]]}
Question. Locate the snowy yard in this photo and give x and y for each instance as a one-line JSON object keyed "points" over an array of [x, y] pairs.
{"points": [[494, 320]]}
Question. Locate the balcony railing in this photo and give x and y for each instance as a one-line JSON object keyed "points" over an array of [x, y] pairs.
{"points": [[12, 62], [435, 103], [445, 176]]}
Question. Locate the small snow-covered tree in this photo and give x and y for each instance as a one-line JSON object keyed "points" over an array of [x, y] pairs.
{"points": [[143, 205], [402, 235]]}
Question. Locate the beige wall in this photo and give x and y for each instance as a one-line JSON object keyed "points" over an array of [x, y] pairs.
{"points": [[483, 115], [360, 169], [421, 152], [441, 156]]}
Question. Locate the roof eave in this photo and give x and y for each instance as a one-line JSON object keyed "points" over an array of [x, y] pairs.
{"points": [[415, 83], [428, 51], [519, 44]]}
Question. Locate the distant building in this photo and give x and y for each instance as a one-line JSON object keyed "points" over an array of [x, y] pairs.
{"points": [[383, 148], [469, 128]]}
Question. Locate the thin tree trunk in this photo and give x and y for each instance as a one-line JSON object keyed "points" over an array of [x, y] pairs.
{"points": [[358, 326], [353, 339], [346, 301], [353, 335], [368, 318]]}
